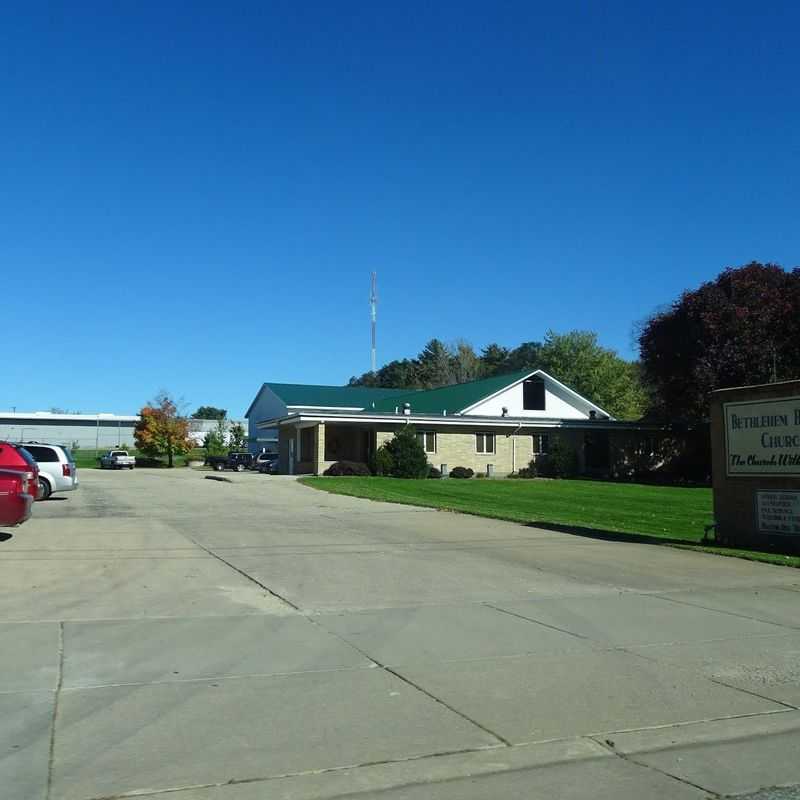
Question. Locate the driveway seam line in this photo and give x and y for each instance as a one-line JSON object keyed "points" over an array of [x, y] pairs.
{"points": [[787, 706], [539, 622], [56, 697], [687, 723], [413, 685], [244, 574], [246, 676], [398, 675], [716, 640], [298, 774], [436, 699], [730, 613], [608, 745], [698, 673]]}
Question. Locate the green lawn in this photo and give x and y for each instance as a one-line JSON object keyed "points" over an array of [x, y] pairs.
{"points": [[661, 514]]}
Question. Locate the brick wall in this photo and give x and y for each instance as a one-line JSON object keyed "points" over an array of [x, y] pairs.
{"points": [[456, 447]]}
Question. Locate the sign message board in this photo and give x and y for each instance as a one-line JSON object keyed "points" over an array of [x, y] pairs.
{"points": [[763, 437], [778, 512]]}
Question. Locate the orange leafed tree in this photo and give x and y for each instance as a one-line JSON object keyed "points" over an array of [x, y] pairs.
{"points": [[161, 430]]}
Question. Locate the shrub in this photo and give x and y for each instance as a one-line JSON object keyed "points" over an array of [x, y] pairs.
{"points": [[461, 472], [341, 468], [408, 455], [381, 462], [561, 461], [533, 469], [433, 472]]}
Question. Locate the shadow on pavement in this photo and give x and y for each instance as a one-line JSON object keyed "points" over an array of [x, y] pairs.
{"points": [[772, 547]]}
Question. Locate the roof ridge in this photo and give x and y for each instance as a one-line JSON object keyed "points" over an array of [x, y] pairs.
{"points": [[461, 395], [334, 386], [499, 375]]}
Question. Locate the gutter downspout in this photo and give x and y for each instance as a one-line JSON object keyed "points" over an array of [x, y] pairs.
{"points": [[514, 447]]}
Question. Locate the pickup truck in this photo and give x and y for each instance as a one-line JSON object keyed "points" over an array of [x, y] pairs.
{"points": [[117, 459]]}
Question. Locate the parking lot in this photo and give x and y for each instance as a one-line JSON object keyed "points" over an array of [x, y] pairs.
{"points": [[169, 635]]}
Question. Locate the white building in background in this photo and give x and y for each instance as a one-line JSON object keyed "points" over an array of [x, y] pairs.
{"points": [[198, 428], [85, 431]]}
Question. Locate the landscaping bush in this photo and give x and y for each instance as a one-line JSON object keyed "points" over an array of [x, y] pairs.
{"points": [[433, 472], [342, 468], [408, 454], [461, 472], [530, 471], [561, 461], [381, 462], [533, 470]]}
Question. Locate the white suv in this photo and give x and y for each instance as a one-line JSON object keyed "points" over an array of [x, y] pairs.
{"points": [[57, 471]]}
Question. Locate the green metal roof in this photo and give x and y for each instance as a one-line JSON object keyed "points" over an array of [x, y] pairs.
{"points": [[452, 399], [298, 394]]}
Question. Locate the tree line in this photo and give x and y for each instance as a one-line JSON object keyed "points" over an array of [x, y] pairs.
{"points": [[741, 328], [575, 358]]}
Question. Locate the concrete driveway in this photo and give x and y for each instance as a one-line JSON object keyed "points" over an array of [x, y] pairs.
{"points": [[170, 636]]}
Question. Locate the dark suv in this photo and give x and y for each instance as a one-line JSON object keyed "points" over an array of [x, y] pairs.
{"points": [[237, 461]]}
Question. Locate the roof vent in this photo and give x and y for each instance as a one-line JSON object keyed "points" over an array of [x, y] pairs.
{"points": [[592, 414], [505, 411], [407, 409]]}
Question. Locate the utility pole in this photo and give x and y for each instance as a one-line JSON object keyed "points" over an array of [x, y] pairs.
{"points": [[373, 304]]}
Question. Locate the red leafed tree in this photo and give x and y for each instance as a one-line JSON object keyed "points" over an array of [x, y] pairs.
{"points": [[161, 430], [742, 328]]}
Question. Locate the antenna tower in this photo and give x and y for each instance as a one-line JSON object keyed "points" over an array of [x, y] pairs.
{"points": [[373, 307]]}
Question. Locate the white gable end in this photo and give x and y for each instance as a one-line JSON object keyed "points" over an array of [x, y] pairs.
{"points": [[559, 403]]}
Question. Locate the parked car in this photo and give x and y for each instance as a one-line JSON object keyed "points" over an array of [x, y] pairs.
{"points": [[117, 459], [18, 459], [236, 461], [16, 497], [217, 463], [268, 463], [57, 470]]}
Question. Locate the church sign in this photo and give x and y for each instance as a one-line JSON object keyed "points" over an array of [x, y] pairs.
{"points": [[778, 513], [763, 438], [755, 462]]}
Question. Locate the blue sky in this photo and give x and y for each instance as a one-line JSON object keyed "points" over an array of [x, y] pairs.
{"points": [[193, 196]]}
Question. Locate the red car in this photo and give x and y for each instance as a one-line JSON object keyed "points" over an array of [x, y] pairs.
{"points": [[17, 459], [15, 497]]}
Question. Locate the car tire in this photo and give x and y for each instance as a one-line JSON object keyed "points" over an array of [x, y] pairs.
{"points": [[219, 467], [240, 467], [44, 489], [131, 466]]}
